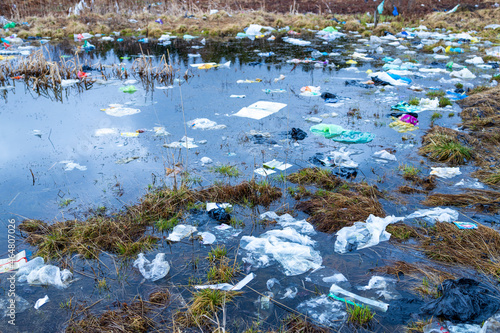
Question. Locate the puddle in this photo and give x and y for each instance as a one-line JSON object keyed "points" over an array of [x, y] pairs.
{"points": [[97, 148]]}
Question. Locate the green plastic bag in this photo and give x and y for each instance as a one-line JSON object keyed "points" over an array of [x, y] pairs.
{"points": [[9, 25], [380, 7], [330, 29], [354, 137], [339, 134], [128, 89], [327, 130]]}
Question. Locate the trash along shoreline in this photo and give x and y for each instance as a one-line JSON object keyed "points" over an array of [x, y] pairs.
{"points": [[225, 22], [219, 171]]}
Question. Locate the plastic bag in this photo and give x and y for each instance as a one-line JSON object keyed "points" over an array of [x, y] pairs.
{"points": [[349, 136], [380, 8], [219, 214], [128, 89], [155, 270], [327, 130], [35, 272], [339, 134], [435, 214], [180, 231], [364, 234], [464, 300], [297, 134]]}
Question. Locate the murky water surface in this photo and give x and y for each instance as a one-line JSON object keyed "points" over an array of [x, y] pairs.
{"points": [[42, 136]]}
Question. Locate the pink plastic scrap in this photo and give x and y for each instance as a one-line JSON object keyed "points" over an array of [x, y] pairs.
{"points": [[409, 119]]}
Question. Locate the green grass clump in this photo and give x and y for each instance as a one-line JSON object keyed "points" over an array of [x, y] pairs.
{"points": [[217, 253], [359, 315], [222, 272], [236, 223], [414, 101], [443, 147], [221, 269], [208, 301], [452, 150], [102, 284], [167, 224], [444, 101], [435, 93], [409, 171], [227, 170], [65, 202], [436, 115], [459, 86]]}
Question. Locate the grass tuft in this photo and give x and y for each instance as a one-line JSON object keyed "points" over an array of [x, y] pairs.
{"points": [[435, 93], [436, 116], [414, 101], [443, 102], [445, 145], [203, 306], [359, 315], [409, 171], [226, 170]]}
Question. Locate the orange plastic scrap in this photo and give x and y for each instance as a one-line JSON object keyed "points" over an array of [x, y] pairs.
{"points": [[17, 77]]}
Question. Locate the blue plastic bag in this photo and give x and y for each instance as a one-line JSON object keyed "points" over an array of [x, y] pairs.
{"points": [[395, 11]]}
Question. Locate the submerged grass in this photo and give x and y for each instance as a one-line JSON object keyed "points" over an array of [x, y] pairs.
{"points": [[125, 232], [299, 324], [410, 173], [226, 170], [446, 145], [129, 318], [339, 203]]}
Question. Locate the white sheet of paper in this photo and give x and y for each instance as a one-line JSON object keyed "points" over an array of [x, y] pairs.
{"points": [[260, 110]]}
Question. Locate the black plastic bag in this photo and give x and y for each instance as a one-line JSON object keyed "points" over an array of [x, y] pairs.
{"points": [[379, 82], [329, 97], [219, 214], [297, 134], [464, 300]]}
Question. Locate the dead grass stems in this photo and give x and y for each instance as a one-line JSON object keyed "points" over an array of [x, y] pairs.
{"points": [[480, 200], [128, 318], [478, 249], [41, 73], [339, 203], [126, 233]]}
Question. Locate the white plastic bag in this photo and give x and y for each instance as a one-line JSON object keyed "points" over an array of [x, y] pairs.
{"points": [[362, 235], [155, 270]]}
